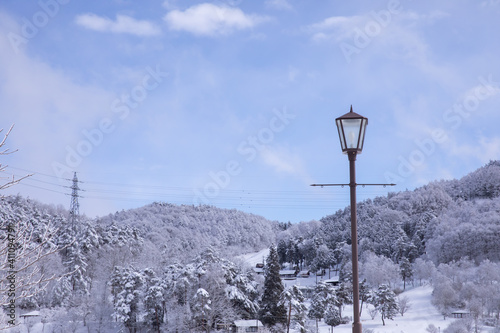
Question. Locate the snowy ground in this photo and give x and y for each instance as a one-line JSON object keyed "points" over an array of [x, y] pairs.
{"points": [[420, 315], [255, 258]]}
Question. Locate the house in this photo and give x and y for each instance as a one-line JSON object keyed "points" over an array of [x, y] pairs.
{"points": [[304, 274], [258, 270], [288, 274], [244, 326], [307, 291], [460, 314], [32, 317], [335, 281]]}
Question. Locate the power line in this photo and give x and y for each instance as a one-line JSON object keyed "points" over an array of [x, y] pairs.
{"points": [[231, 198]]}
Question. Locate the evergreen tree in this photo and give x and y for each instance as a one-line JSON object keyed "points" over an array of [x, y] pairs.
{"points": [[293, 300], [271, 311], [323, 297], [385, 302], [282, 251], [343, 296], [127, 291], [61, 294], [318, 301], [154, 300], [201, 309], [324, 258], [405, 270], [332, 316], [364, 294]]}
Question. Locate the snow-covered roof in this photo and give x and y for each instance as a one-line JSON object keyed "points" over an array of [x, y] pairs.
{"points": [[332, 280], [248, 323], [31, 314], [287, 272], [258, 270]]}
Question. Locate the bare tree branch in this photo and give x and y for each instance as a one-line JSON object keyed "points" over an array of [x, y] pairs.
{"points": [[27, 256], [10, 181]]}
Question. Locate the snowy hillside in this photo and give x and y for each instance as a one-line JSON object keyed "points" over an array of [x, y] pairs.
{"points": [[420, 315], [187, 228], [179, 268]]}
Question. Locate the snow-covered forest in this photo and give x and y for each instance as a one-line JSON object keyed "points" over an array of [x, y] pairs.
{"points": [[169, 268]]}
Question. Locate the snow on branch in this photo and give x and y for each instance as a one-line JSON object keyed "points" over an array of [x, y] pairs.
{"points": [[5, 151]]}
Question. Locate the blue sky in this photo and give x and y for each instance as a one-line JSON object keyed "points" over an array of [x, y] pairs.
{"points": [[232, 103]]}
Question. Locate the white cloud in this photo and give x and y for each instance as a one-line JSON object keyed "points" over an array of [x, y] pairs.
{"points": [[122, 24], [49, 108], [483, 149], [279, 161], [279, 4], [335, 27], [210, 20], [168, 4], [396, 25], [284, 162], [293, 73]]}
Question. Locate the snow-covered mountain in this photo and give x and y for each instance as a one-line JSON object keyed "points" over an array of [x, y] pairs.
{"points": [[182, 229], [164, 263]]}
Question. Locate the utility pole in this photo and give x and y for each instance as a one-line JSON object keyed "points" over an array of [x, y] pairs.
{"points": [[74, 210], [352, 128]]}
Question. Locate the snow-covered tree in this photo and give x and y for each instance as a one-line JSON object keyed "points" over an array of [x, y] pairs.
{"points": [[127, 293], [343, 295], [460, 326], [384, 301], [378, 270], [323, 297], [423, 270], [364, 295], [444, 296], [318, 301], [201, 309], [332, 316], [324, 259], [432, 329], [62, 292], [293, 300], [24, 247], [404, 304], [282, 250], [154, 300], [405, 270], [271, 311], [11, 181]]}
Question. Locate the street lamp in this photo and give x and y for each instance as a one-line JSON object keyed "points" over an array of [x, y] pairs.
{"points": [[352, 128]]}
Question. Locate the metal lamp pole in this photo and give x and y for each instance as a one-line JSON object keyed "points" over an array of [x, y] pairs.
{"points": [[356, 325], [352, 128]]}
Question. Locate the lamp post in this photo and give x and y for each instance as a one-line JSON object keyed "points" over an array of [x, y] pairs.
{"points": [[352, 127]]}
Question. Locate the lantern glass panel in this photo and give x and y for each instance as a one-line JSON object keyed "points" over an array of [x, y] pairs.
{"points": [[352, 131]]}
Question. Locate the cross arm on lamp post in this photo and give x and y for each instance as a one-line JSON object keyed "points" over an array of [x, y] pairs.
{"points": [[363, 185]]}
